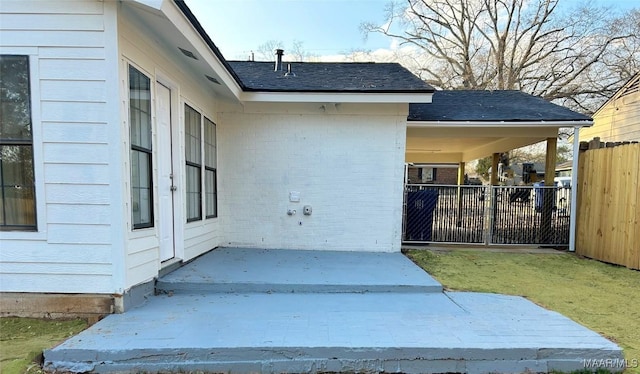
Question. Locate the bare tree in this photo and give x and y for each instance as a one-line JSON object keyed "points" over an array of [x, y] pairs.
{"points": [[576, 58], [266, 51], [298, 52]]}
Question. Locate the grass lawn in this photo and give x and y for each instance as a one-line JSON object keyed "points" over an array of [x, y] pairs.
{"points": [[602, 297], [23, 339]]}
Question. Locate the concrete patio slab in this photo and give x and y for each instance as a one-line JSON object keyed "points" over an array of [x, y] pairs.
{"points": [[262, 270], [316, 332]]}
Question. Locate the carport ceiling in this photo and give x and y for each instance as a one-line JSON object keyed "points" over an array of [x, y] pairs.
{"points": [[463, 144], [469, 124]]}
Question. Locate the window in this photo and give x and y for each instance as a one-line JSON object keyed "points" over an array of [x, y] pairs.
{"points": [[200, 151], [426, 175], [141, 149], [17, 181], [210, 169], [193, 156]]}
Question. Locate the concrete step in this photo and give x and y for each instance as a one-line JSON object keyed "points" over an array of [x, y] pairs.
{"points": [[241, 270], [332, 360], [319, 333]]}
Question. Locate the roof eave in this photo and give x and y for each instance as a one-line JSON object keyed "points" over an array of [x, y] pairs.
{"points": [[337, 96], [617, 94], [528, 123], [231, 79]]}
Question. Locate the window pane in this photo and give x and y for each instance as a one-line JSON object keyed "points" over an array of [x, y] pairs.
{"points": [[141, 197], [210, 191], [15, 103], [17, 165], [194, 194], [18, 189], [209, 143], [192, 135], [19, 204], [140, 108]]}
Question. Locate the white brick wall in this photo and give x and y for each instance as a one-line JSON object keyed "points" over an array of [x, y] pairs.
{"points": [[347, 165]]}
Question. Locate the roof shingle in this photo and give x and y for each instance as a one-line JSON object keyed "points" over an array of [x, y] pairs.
{"points": [[329, 77], [504, 106]]}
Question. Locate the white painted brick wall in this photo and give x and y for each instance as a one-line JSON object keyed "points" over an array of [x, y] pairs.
{"points": [[348, 167]]}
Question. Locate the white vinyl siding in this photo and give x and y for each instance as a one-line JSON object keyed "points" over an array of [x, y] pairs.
{"points": [[192, 239], [68, 44]]}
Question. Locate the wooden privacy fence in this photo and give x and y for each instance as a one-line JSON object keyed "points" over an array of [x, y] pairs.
{"points": [[608, 225]]}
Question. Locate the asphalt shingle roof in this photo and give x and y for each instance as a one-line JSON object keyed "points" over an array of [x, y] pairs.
{"points": [[329, 77], [508, 106]]}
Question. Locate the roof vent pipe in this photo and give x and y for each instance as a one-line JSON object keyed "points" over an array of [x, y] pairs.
{"points": [[289, 73], [279, 54]]}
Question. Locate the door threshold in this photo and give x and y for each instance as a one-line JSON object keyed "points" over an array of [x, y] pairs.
{"points": [[168, 266]]}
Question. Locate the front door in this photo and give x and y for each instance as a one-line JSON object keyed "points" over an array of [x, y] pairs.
{"points": [[166, 185]]}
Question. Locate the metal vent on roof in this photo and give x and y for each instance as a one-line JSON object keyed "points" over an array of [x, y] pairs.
{"points": [[188, 53], [212, 79], [289, 73]]}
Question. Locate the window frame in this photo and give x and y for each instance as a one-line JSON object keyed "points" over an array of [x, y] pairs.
{"points": [[31, 99], [210, 168], [139, 148], [203, 161], [194, 164]]}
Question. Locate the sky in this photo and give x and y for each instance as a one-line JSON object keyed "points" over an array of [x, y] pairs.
{"points": [[325, 27]]}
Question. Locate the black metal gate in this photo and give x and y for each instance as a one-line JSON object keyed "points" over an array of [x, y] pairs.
{"points": [[444, 214], [485, 214]]}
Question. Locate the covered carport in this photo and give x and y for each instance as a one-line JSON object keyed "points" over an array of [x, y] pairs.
{"points": [[462, 126]]}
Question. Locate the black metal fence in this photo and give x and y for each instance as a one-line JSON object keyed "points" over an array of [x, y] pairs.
{"points": [[485, 214]]}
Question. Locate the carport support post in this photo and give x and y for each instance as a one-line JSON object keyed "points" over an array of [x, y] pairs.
{"points": [[461, 167], [494, 169], [495, 159], [548, 191], [574, 189]]}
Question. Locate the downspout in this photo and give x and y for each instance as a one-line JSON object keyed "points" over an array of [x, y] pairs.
{"points": [[574, 189]]}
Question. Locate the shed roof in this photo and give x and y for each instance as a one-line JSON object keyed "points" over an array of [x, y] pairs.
{"points": [[329, 77], [486, 106]]}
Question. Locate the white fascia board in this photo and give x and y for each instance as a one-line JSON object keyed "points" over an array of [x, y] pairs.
{"points": [[336, 97], [155, 4], [182, 24], [435, 124]]}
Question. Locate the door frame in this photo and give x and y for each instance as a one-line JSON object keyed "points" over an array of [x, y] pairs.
{"points": [[178, 172]]}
